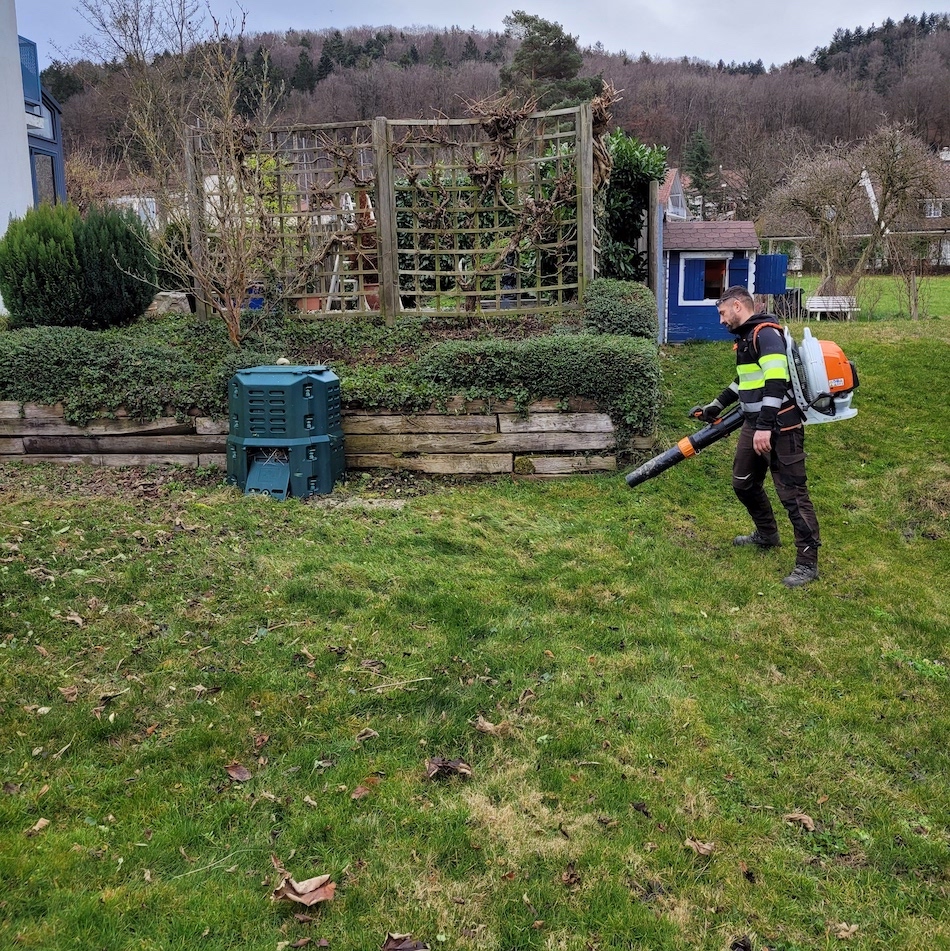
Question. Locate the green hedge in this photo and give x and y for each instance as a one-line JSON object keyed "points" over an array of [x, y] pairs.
{"points": [[180, 364], [619, 373], [91, 372], [620, 307]]}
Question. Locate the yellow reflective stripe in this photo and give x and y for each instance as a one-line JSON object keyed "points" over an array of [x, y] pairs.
{"points": [[774, 366], [750, 376]]}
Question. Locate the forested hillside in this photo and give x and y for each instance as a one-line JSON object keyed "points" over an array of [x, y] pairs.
{"points": [[748, 112]]}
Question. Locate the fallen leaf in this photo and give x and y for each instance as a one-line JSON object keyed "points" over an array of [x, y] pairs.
{"points": [[237, 772], [365, 735], [570, 876], [403, 942], [301, 942], [438, 767], [360, 792], [38, 828], [42, 651], [260, 739], [845, 932], [309, 802], [70, 694], [74, 618], [822, 800], [309, 892], [493, 729], [747, 873], [641, 807], [700, 848], [802, 819]]}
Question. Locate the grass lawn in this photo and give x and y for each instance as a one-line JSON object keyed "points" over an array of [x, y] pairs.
{"points": [[667, 748], [883, 296]]}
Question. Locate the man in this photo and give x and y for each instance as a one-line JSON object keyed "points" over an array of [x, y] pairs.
{"points": [[772, 435]]}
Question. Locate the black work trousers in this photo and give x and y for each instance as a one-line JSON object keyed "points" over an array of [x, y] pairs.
{"points": [[787, 465]]}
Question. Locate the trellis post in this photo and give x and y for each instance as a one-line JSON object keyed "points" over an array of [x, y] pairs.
{"points": [[585, 198], [387, 257]]}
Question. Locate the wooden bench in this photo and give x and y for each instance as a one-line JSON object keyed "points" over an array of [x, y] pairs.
{"points": [[836, 308]]}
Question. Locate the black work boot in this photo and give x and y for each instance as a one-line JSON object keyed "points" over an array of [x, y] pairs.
{"points": [[759, 538], [801, 574]]}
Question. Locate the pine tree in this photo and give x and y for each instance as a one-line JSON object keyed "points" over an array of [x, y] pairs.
{"points": [[438, 58], [304, 78], [470, 51], [325, 66], [699, 165]]}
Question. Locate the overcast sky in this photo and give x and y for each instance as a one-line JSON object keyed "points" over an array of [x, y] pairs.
{"points": [[774, 31]]}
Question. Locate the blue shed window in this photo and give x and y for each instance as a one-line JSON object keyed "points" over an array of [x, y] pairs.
{"points": [[30, 70]]}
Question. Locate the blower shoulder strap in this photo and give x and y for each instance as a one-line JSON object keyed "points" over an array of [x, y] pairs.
{"points": [[758, 327]]}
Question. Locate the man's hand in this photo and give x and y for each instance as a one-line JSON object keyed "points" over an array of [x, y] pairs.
{"points": [[762, 441], [712, 411]]}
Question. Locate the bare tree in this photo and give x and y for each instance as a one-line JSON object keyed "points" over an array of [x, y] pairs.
{"points": [[899, 174], [197, 130], [821, 202], [841, 195]]}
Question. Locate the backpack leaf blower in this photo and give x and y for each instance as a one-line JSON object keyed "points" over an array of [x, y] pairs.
{"points": [[823, 381]]}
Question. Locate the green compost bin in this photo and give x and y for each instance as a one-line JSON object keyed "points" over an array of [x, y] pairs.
{"points": [[286, 436]]}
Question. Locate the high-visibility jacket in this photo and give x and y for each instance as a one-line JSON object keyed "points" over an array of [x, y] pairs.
{"points": [[763, 382]]}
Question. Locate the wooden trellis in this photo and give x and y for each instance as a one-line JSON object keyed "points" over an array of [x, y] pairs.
{"points": [[456, 216]]}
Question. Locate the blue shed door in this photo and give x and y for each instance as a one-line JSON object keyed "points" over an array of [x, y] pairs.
{"points": [[771, 273]]}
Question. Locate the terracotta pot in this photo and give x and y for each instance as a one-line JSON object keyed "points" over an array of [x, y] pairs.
{"points": [[309, 303]]}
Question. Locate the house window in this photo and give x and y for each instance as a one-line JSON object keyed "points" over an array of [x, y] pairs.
{"points": [[45, 178], [933, 209]]}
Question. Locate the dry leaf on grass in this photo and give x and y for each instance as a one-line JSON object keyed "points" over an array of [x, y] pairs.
{"points": [[365, 735], [237, 772], [438, 767], [802, 819], [70, 694], [38, 828], [403, 942], [309, 892], [700, 848], [845, 932], [493, 729]]}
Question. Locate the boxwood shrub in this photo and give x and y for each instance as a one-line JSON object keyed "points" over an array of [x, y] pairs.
{"points": [[620, 307]]}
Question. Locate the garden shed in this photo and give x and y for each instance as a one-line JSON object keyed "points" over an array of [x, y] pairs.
{"points": [[700, 260]]}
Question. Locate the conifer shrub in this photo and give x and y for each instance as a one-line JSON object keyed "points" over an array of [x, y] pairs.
{"points": [[40, 273], [118, 267], [620, 307], [60, 269]]}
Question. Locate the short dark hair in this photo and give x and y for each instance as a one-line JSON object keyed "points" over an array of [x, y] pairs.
{"points": [[739, 293]]}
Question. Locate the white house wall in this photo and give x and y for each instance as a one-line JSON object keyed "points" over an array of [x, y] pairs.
{"points": [[16, 183]]}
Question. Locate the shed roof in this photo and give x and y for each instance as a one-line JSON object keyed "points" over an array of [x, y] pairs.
{"points": [[710, 236]]}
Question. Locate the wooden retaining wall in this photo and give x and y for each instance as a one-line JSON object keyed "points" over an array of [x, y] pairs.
{"points": [[465, 438]]}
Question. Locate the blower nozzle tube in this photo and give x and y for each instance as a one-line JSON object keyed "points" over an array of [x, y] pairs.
{"points": [[686, 447]]}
